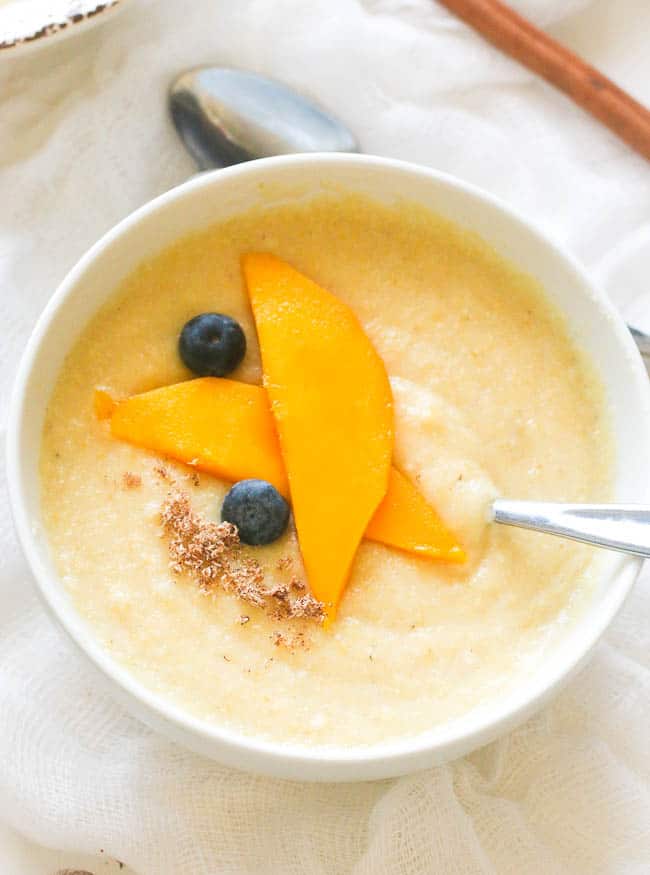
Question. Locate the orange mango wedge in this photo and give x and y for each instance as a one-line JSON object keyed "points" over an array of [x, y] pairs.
{"points": [[403, 520], [219, 426], [332, 404]]}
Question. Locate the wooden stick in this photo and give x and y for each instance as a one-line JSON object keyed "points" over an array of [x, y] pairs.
{"points": [[585, 85]]}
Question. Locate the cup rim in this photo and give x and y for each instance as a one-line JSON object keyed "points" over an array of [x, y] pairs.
{"points": [[396, 756]]}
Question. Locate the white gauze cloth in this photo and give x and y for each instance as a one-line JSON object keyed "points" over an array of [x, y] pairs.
{"points": [[84, 139]]}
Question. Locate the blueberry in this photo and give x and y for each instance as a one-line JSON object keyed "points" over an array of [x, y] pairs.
{"points": [[212, 345], [257, 509]]}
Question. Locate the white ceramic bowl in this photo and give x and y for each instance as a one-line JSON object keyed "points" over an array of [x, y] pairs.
{"points": [[211, 197]]}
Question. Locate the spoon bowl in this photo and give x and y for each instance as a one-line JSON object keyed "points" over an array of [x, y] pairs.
{"points": [[227, 116]]}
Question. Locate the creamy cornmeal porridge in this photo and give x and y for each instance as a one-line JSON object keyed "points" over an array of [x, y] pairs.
{"points": [[490, 398]]}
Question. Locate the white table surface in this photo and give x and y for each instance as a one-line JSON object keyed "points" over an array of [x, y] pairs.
{"points": [[613, 35]]}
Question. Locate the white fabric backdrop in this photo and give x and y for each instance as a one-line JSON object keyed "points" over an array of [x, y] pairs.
{"points": [[84, 140]]}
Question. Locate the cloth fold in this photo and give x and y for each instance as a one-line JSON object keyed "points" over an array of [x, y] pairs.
{"points": [[84, 139]]}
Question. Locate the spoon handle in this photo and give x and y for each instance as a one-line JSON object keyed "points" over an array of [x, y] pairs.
{"points": [[642, 340], [622, 527]]}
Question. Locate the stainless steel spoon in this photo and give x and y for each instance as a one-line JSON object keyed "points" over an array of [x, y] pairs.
{"points": [[621, 527], [228, 116]]}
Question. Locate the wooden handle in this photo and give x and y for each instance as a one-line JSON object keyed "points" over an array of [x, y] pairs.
{"points": [[530, 46]]}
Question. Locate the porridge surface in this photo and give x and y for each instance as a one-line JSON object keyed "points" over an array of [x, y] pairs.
{"points": [[491, 398]]}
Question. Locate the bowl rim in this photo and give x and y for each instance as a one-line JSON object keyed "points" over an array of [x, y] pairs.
{"points": [[68, 24], [288, 759]]}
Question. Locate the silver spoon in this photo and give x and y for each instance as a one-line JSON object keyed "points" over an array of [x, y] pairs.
{"points": [[621, 527], [228, 116]]}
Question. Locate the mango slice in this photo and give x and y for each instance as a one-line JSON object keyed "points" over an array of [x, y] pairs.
{"points": [[217, 425], [332, 405], [405, 520]]}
